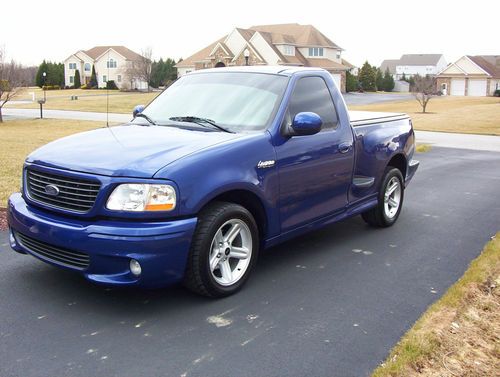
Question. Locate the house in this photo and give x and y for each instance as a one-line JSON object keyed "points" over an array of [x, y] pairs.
{"points": [[282, 44], [471, 76], [110, 62], [412, 64]]}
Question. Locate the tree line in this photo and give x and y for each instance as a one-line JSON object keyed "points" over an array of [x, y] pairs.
{"points": [[370, 79]]}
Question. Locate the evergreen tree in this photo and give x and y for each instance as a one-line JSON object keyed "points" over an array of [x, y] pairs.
{"points": [[380, 79], [39, 79], [77, 82], [388, 81], [93, 78], [351, 82], [368, 77]]}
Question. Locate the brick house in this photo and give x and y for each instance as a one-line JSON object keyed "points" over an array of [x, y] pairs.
{"points": [[110, 62], [471, 76], [282, 44]]}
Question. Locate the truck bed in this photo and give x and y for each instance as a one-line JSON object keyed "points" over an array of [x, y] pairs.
{"points": [[364, 118]]}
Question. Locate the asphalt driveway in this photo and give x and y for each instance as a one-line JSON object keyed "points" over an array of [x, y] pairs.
{"points": [[331, 303]]}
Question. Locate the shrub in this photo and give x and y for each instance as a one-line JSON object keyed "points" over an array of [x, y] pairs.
{"points": [[351, 82], [77, 79], [84, 86], [497, 93], [110, 84]]}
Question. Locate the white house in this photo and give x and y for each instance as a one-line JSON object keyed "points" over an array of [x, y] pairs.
{"points": [[471, 76], [110, 62], [282, 44], [412, 64]]}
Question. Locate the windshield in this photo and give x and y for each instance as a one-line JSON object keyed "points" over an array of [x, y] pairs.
{"points": [[234, 100]]}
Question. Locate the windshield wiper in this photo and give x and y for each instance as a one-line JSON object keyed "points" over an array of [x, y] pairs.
{"points": [[141, 115], [201, 121]]}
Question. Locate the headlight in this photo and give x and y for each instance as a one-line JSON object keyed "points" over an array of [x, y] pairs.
{"points": [[142, 197]]}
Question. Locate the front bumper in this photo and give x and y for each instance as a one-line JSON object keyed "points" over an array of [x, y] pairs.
{"points": [[160, 247]]}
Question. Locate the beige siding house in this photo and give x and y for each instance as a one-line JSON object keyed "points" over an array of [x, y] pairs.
{"points": [[283, 44], [471, 76], [111, 63]]}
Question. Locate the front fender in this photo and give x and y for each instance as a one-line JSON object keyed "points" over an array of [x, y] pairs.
{"points": [[230, 166]]}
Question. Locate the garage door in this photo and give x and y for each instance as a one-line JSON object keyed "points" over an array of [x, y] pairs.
{"points": [[477, 88], [457, 87], [336, 78]]}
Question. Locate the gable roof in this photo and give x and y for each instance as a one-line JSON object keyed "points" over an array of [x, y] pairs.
{"points": [[303, 35], [419, 59], [200, 55], [389, 64], [97, 51], [489, 63]]}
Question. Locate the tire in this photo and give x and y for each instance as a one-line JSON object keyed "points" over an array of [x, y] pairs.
{"points": [[386, 212], [217, 266]]}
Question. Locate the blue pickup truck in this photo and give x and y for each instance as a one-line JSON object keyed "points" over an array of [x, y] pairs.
{"points": [[224, 163]]}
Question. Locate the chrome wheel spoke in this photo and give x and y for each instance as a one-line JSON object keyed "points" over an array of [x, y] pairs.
{"points": [[214, 260], [393, 203], [219, 238], [225, 270], [232, 233], [239, 252], [391, 189]]}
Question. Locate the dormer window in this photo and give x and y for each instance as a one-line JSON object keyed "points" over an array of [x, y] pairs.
{"points": [[111, 63], [338, 54], [315, 51], [288, 50]]}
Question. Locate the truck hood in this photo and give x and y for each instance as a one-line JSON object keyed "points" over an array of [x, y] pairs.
{"points": [[125, 151]]}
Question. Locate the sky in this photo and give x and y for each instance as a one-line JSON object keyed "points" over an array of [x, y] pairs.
{"points": [[31, 30]]}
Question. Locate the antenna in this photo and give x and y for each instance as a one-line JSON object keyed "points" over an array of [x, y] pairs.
{"points": [[107, 95]]}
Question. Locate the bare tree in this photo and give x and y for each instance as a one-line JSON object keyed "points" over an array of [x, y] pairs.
{"points": [[11, 80], [424, 89], [140, 69]]}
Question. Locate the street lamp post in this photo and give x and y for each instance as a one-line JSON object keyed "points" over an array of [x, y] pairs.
{"points": [[246, 53], [44, 86]]}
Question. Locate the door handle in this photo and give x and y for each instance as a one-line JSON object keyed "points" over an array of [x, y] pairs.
{"points": [[345, 147]]}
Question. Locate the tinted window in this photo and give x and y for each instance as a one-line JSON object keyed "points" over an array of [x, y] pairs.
{"points": [[312, 95]]}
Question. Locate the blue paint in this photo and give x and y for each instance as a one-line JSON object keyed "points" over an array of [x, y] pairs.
{"points": [[309, 185]]}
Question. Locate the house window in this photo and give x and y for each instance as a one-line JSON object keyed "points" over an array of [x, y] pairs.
{"points": [[338, 54], [104, 78], [289, 50], [72, 65], [315, 51], [119, 78], [71, 79], [87, 67], [111, 63]]}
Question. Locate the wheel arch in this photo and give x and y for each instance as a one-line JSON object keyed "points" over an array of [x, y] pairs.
{"points": [[398, 161]]}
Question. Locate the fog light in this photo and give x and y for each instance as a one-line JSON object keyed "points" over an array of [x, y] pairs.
{"points": [[12, 239], [135, 267]]}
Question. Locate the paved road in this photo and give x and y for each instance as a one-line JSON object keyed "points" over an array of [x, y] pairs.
{"points": [[65, 114], [369, 98], [331, 303]]}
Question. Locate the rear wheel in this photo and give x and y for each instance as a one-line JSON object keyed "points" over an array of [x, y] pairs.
{"points": [[223, 251], [390, 200]]}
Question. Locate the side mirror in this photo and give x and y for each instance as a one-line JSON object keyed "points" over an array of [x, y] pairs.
{"points": [[138, 109], [306, 123]]}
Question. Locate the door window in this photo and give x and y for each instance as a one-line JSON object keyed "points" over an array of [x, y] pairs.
{"points": [[312, 95]]}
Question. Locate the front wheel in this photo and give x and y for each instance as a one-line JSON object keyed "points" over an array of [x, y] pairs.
{"points": [[223, 250], [390, 200]]}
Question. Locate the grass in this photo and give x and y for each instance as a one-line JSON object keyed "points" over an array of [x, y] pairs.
{"points": [[88, 100], [474, 115], [459, 334], [20, 137], [422, 148]]}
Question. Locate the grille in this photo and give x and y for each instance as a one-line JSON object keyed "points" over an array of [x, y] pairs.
{"points": [[76, 195], [55, 254]]}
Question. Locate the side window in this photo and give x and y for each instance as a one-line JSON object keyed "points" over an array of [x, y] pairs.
{"points": [[311, 94]]}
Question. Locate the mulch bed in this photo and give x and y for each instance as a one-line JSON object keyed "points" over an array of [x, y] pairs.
{"points": [[3, 219]]}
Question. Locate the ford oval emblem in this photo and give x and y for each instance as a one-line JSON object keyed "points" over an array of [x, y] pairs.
{"points": [[52, 190]]}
